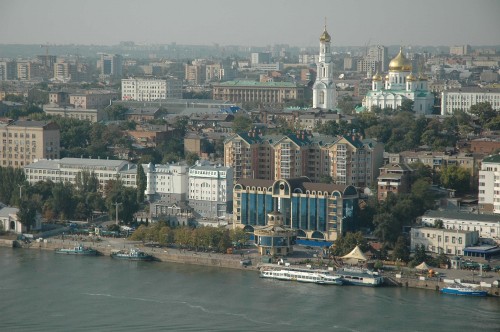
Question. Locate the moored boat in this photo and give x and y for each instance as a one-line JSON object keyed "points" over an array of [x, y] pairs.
{"points": [[78, 250], [459, 289], [132, 255], [359, 276], [322, 277]]}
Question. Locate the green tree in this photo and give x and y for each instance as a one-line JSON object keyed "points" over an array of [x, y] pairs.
{"points": [[27, 214], [420, 256], [438, 223], [401, 251], [242, 123], [456, 177], [326, 179], [330, 128], [406, 105], [141, 183], [126, 198], [348, 242], [191, 158], [238, 236], [484, 111]]}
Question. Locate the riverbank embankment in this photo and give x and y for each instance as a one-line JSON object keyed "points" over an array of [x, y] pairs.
{"points": [[173, 255]]}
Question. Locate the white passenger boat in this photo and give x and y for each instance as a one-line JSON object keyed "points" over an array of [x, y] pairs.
{"points": [[359, 276], [322, 277]]}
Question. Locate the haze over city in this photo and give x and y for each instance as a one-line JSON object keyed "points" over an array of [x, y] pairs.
{"points": [[257, 22]]}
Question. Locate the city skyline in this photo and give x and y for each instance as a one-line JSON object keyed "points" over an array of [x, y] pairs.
{"points": [[256, 23]]}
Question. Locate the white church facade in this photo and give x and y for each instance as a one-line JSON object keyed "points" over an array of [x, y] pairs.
{"points": [[399, 85], [324, 92]]}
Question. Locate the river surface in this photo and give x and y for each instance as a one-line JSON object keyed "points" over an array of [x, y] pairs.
{"points": [[43, 291]]}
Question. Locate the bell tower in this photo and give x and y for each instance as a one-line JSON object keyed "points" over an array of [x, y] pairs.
{"points": [[324, 86]]}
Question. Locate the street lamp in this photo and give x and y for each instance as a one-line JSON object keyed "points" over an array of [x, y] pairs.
{"points": [[116, 204], [20, 190]]}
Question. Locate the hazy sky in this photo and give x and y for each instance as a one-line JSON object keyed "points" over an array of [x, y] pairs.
{"points": [[251, 22]]}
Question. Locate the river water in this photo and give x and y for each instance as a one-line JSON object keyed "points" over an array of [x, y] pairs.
{"points": [[42, 291]]}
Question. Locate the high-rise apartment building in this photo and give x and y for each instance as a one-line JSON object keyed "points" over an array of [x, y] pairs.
{"points": [[24, 141], [347, 160]]}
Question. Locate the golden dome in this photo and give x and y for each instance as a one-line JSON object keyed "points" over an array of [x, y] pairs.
{"points": [[400, 62], [325, 37], [377, 77], [411, 77]]}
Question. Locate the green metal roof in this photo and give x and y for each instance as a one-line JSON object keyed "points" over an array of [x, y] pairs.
{"points": [[492, 159]]}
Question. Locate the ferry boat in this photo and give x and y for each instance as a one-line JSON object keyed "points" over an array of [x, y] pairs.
{"points": [[359, 276], [322, 277], [78, 250], [458, 289], [132, 255]]}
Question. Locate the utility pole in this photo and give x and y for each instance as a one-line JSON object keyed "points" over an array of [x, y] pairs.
{"points": [[116, 204]]}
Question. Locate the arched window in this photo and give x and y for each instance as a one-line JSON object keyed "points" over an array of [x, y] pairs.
{"points": [[322, 97]]}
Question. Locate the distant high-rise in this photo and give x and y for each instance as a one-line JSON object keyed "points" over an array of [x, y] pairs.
{"points": [[460, 50], [110, 65], [8, 70]]}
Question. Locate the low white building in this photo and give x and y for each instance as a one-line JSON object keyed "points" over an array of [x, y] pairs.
{"points": [[10, 223], [462, 99], [66, 170], [488, 226], [168, 183], [150, 89], [447, 241], [210, 189]]}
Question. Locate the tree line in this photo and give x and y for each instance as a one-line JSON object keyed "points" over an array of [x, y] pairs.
{"points": [[67, 201], [200, 239]]}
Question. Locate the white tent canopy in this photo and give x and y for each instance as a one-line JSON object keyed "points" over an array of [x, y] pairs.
{"points": [[356, 256], [422, 266]]}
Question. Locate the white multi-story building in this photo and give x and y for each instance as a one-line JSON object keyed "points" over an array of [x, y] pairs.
{"points": [[324, 92], [168, 183], [210, 189], [463, 98], [66, 170], [150, 89], [489, 184], [446, 241], [487, 225]]}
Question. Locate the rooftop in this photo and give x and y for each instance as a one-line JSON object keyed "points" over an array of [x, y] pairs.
{"points": [[258, 84], [462, 216]]}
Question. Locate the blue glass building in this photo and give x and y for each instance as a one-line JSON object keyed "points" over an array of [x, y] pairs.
{"points": [[317, 211]]}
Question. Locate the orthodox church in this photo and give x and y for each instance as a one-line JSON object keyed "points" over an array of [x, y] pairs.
{"points": [[399, 85], [324, 87]]}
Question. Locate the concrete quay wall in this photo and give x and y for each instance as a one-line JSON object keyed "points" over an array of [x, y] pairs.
{"points": [[161, 254], [8, 243], [436, 284]]}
